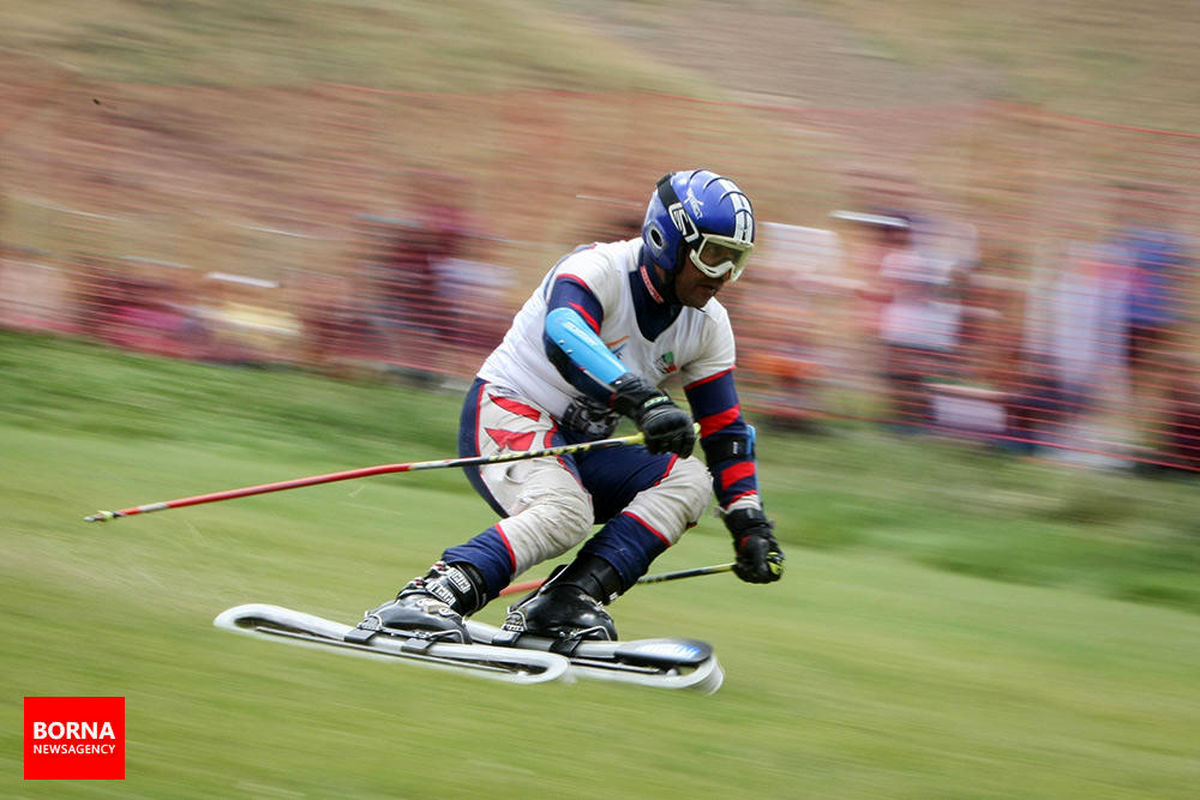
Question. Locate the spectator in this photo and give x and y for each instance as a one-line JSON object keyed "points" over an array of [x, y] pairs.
{"points": [[791, 307], [473, 298], [914, 267], [404, 270], [334, 328], [141, 305], [916, 291], [1076, 331], [1157, 257]]}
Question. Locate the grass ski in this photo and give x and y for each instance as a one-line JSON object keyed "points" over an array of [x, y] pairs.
{"points": [[512, 665], [658, 663], [665, 663]]}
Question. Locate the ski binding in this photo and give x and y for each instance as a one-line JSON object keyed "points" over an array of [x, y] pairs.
{"points": [[493, 653]]}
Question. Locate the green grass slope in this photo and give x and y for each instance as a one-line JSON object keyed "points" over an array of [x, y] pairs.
{"points": [[869, 672], [1116, 61], [445, 47]]}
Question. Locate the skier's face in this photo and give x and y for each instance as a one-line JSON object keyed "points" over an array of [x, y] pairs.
{"points": [[694, 288]]}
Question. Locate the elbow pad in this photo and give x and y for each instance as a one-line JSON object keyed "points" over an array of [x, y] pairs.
{"points": [[570, 334]]}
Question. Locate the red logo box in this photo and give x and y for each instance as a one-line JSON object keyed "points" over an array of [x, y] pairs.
{"points": [[74, 738]]}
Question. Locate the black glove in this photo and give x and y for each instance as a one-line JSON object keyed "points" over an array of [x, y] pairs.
{"points": [[667, 427], [759, 557]]}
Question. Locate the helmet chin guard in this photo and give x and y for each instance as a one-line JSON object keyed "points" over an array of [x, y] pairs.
{"points": [[702, 216]]}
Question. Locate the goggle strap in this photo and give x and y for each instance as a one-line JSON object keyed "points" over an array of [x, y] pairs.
{"points": [[666, 192]]}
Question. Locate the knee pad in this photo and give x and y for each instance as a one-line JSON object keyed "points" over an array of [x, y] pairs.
{"points": [[551, 520], [677, 501], [565, 517], [694, 484]]}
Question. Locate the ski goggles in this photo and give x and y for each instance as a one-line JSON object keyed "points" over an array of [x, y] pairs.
{"points": [[717, 256]]}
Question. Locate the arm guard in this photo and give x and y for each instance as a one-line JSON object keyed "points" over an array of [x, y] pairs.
{"points": [[570, 335], [727, 440]]}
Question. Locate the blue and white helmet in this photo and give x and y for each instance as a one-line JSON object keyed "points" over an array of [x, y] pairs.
{"points": [[699, 215]]}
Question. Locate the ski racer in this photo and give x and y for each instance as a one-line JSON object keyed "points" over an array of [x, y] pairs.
{"points": [[609, 323]]}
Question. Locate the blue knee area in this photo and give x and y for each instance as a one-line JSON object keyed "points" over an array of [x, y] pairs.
{"points": [[468, 420], [628, 545], [488, 553]]}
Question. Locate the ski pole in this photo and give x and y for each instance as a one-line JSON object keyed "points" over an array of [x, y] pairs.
{"points": [[528, 586], [365, 472]]}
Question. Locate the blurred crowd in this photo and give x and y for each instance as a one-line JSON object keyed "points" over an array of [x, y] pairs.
{"points": [[1089, 356], [897, 311]]}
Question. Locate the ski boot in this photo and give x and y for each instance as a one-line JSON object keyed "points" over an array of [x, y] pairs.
{"points": [[431, 607], [568, 607]]}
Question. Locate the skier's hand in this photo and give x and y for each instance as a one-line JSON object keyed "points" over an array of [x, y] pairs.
{"points": [[667, 428], [759, 556]]}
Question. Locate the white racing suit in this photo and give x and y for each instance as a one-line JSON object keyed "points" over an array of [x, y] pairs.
{"points": [[522, 400]]}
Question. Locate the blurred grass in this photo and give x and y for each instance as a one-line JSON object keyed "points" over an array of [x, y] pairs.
{"points": [[438, 47], [948, 504], [1103, 59], [865, 674]]}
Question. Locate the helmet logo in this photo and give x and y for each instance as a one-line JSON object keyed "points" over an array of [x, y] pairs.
{"points": [[683, 222], [696, 204]]}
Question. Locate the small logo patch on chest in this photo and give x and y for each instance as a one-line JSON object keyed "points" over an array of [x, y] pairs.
{"points": [[666, 363]]}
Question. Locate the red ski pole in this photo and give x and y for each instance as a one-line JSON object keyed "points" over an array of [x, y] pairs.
{"points": [[365, 472]]}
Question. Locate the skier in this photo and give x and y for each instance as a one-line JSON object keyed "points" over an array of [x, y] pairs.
{"points": [[609, 323]]}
